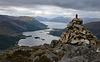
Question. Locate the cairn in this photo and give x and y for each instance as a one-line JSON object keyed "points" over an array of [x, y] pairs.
{"points": [[77, 34]]}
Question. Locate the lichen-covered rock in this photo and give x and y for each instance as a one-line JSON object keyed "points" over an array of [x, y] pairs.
{"points": [[80, 53], [51, 56], [54, 43]]}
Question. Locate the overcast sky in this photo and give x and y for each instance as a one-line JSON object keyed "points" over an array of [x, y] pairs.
{"points": [[51, 8]]}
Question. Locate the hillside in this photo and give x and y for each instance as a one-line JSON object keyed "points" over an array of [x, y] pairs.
{"points": [[94, 27], [7, 41], [61, 19], [10, 25], [89, 20], [31, 21]]}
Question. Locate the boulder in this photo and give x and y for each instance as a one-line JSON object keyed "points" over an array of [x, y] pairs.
{"points": [[51, 56], [54, 43]]}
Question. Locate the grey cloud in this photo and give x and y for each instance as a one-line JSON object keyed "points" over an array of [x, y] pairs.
{"points": [[88, 5]]}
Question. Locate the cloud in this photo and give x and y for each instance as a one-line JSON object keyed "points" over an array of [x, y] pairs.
{"points": [[50, 8], [88, 5], [44, 11]]}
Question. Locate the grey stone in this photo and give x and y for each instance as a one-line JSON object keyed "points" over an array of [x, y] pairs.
{"points": [[51, 56], [74, 59], [54, 43]]}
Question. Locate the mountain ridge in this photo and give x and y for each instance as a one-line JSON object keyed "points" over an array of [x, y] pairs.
{"points": [[17, 25], [11, 30], [62, 19]]}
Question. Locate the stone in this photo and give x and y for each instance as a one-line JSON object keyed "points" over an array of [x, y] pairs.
{"points": [[80, 53], [64, 37], [75, 59], [51, 56], [36, 58], [54, 43]]}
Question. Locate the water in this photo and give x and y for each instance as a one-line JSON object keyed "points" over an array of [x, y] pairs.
{"points": [[55, 24], [44, 36]]}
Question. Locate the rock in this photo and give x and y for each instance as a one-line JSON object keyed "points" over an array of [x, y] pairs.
{"points": [[54, 43], [32, 57], [64, 38], [36, 58], [80, 53], [97, 60], [41, 51], [51, 56], [79, 26], [75, 59], [37, 37], [98, 50]]}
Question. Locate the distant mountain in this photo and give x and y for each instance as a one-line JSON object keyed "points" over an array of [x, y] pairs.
{"points": [[61, 19], [12, 25], [41, 18], [94, 27], [56, 19], [88, 20]]}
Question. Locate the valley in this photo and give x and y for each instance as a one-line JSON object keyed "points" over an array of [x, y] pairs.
{"points": [[11, 29]]}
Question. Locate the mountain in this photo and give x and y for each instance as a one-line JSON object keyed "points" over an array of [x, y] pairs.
{"points": [[13, 25], [41, 18], [94, 27], [31, 21], [61, 19], [88, 20], [56, 19]]}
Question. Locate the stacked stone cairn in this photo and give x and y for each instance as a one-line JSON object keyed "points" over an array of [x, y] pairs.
{"points": [[77, 34]]}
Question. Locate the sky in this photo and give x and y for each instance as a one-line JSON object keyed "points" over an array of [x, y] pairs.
{"points": [[51, 8]]}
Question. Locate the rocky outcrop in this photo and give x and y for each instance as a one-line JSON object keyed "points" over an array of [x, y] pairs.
{"points": [[80, 53], [76, 33]]}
